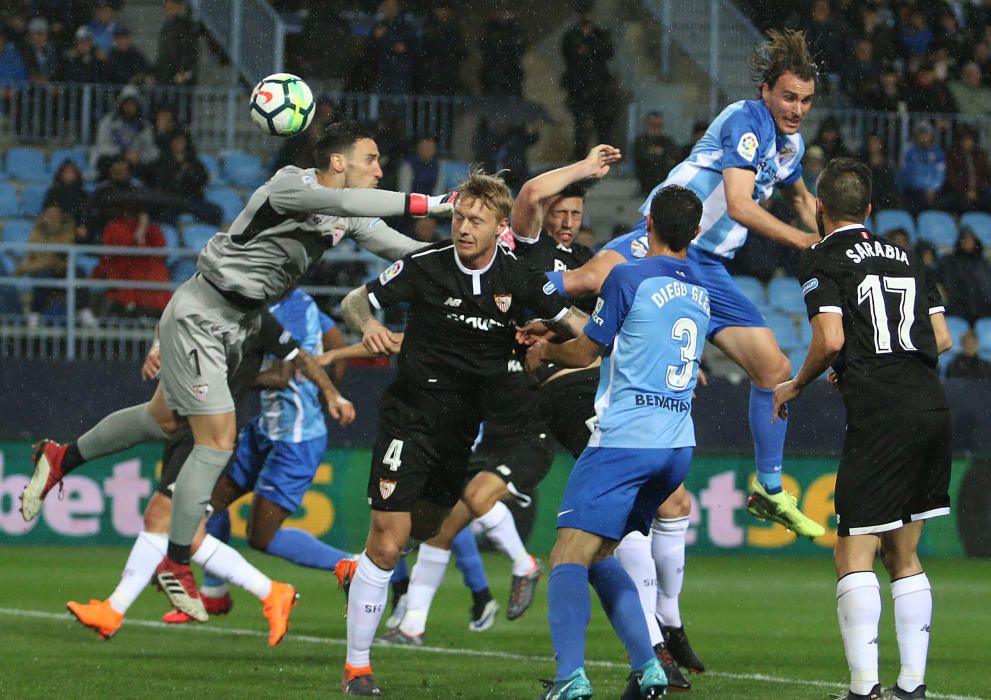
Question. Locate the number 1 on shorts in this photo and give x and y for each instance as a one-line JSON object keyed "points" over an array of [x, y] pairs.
{"points": [[393, 455]]}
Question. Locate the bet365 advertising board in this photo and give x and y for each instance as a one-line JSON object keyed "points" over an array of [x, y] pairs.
{"points": [[102, 503]]}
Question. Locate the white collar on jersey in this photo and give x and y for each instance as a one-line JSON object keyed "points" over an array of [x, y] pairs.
{"points": [[848, 227], [476, 275]]}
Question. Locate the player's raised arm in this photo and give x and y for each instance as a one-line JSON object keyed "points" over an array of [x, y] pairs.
{"points": [[339, 408], [299, 191], [744, 210], [528, 208]]}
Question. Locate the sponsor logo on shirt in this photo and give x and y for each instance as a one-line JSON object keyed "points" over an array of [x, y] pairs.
{"points": [[391, 272], [747, 146], [549, 288], [451, 301], [200, 391], [600, 302], [503, 301], [386, 488], [559, 266], [809, 286]]}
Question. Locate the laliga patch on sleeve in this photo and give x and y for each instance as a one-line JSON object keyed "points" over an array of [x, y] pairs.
{"points": [[809, 286], [309, 181], [747, 147], [391, 272]]}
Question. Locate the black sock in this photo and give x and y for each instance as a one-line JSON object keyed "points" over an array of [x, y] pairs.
{"points": [[71, 459], [399, 588], [179, 553], [480, 598]]}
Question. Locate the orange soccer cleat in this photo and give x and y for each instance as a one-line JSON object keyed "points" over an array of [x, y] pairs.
{"points": [[98, 616], [276, 608]]}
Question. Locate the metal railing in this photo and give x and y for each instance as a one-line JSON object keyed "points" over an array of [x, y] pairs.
{"points": [[250, 31], [68, 114], [716, 36], [65, 336]]}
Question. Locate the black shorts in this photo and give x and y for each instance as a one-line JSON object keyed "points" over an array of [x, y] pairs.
{"points": [[567, 403], [422, 449], [522, 463], [893, 473], [174, 455]]}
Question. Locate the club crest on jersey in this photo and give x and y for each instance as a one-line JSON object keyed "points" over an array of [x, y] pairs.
{"points": [[386, 488], [503, 301], [747, 146], [337, 235], [391, 272], [200, 391], [638, 248], [809, 286]]}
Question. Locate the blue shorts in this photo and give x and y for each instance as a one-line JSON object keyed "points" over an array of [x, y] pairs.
{"points": [[728, 305], [278, 471], [613, 491]]}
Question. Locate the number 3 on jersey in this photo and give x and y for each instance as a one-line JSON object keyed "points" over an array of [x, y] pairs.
{"points": [[685, 331], [872, 290], [393, 455]]}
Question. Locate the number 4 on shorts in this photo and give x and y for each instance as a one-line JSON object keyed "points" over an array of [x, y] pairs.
{"points": [[393, 455]]}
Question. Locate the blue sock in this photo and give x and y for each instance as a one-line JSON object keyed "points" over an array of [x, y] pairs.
{"points": [[302, 548], [401, 572], [621, 601], [569, 609], [469, 561], [769, 439], [218, 525]]}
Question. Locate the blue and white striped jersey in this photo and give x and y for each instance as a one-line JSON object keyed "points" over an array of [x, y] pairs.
{"points": [[742, 136], [294, 414]]}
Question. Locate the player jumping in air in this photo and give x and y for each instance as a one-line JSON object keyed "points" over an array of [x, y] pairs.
{"points": [[287, 225], [649, 324], [877, 319]]}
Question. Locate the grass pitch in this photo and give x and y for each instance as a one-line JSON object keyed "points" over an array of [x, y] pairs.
{"points": [[765, 627]]}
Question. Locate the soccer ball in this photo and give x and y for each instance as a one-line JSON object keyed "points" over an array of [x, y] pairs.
{"points": [[282, 105]]}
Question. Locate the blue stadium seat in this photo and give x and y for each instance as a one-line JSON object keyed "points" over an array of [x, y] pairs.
{"points": [[79, 156], [980, 223], [887, 219], [33, 198], [753, 288], [182, 270], [939, 228], [197, 235], [8, 201], [16, 231], [87, 263], [797, 358], [227, 199], [785, 295], [785, 332], [10, 301], [244, 169], [452, 172], [983, 329], [212, 166], [804, 332], [957, 327], [27, 164]]}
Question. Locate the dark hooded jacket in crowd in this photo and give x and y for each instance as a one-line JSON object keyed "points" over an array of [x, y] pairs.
{"points": [[966, 278]]}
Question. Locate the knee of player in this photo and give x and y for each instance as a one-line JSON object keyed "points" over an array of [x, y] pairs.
{"points": [[259, 538], [384, 553], [677, 505], [158, 513], [774, 369]]}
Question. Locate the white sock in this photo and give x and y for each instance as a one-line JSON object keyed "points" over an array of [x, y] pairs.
{"points": [[668, 549], [424, 580], [223, 561], [858, 606], [913, 615], [633, 554], [366, 602], [146, 554], [500, 527]]}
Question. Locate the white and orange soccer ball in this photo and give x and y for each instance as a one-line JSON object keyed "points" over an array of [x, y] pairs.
{"points": [[282, 105]]}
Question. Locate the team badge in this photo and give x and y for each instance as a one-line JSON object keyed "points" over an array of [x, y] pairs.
{"points": [[747, 146], [200, 391], [809, 286], [391, 272], [386, 488], [638, 248], [502, 301], [337, 235]]}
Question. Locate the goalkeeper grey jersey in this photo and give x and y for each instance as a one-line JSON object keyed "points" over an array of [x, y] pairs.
{"points": [[287, 225]]}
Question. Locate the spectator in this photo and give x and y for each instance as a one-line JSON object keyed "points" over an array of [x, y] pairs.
{"points": [[179, 173], [133, 228], [949, 37], [103, 25], [592, 98], [110, 196], [927, 256], [966, 276], [15, 24], [516, 141], [968, 365], [440, 53], [899, 237], [884, 192], [40, 55], [881, 36], [968, 175], [982, 57], [125, 132], [830, 139], [929, 91], [862, 73], [84, 63], [888, 95], [420, 171], [12, 68], [698, 131], [66, 191], [61, 16], [52, 227], [178, 46], [502, 49], [826, 37], [812, 165], [973, 98], [392, 47], [916, 36], [165, 126], [126, 63], [923, 170], [298, 150], [654, 153], [325, 35], [425, 230]]}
